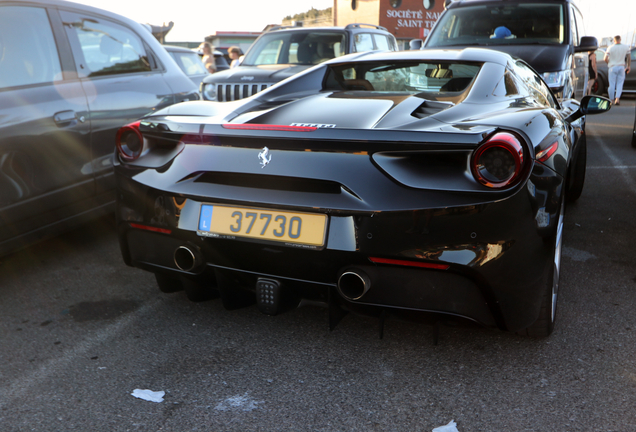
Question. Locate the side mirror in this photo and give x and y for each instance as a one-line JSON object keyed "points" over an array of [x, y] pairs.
{"points": [[416, 44], [595, 104], [590, 105], [588, 43]]}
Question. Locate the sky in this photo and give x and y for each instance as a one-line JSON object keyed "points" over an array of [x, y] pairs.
{"points": [[195, 19]]}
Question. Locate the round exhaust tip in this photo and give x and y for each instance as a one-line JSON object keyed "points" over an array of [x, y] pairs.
{"points": [[353, 284], [185, 258]]}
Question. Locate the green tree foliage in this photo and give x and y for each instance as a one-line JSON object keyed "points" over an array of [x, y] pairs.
{"points": [[311, 14]]}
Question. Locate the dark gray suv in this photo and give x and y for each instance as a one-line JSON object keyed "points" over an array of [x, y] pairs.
{"points": [[70, 77], [548, 34], [284, 51]]}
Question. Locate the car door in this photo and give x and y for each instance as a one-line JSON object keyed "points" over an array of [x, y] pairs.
{"points": [[121, 78], [44, 127]]}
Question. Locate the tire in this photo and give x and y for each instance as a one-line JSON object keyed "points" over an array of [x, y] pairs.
{"points": [[544, 325], [576, 178], [598, 87], [168, 284]]}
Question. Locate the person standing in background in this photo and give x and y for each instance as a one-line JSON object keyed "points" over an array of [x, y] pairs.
{"points": [[234, 52], [593, 72], [208, 56], [617, 57]]}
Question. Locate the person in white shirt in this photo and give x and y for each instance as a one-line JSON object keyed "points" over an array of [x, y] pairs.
{"points": [[618, 64], [235, 53]]}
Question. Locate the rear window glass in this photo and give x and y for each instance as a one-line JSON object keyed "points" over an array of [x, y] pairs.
{"points": [[507, 24], [407, 77]]}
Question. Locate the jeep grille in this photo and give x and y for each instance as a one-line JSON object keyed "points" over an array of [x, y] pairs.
{"points": [[232, 92]]}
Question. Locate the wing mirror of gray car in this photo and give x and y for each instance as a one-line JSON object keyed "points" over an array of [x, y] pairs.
{"points": [[416, 44], [590, 105], [588, 43]]}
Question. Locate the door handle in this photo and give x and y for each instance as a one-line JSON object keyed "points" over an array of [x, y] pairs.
{"points": [[67, 118]]}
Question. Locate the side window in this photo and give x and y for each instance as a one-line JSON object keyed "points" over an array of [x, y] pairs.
{"points": [[362, 42], [28, 54], [382, 42], [573, 28], [537, 88], [108, 48], [580, 24]]}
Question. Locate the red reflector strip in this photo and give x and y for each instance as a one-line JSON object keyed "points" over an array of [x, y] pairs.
{"points": [[270, 127], [544, 155], [409, 263], [151, 228]]}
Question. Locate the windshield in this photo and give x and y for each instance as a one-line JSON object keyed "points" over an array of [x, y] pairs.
{"points": [[437, 79], [520, 23], [306, 48]]}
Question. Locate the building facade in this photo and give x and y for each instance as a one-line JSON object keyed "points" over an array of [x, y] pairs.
{"points": [[406, 19]]}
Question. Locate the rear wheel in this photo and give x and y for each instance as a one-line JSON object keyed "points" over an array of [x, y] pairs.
{"points": [[598, 87], [544, 325]]}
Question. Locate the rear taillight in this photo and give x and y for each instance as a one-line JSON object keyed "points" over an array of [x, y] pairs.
{"points": [[130, 141], [546, 154], [408, 263], [498, 162]]}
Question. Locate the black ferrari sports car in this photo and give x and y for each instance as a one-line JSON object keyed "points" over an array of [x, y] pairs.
{"points": [[423, 183]]}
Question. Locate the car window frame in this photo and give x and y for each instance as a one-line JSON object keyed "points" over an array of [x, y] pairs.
{"points": [[78, 54]]}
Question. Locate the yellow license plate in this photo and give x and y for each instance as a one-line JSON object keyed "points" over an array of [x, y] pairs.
{"points": [[263, 224]]}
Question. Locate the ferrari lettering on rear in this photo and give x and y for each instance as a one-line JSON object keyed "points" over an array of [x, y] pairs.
{"points": [[316, 125]]}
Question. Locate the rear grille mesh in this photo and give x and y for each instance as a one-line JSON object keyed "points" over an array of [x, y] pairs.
{"points": [[232, 92], [255, 181]]}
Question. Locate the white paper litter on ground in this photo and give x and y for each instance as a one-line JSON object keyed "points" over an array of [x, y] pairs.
{"points": [[149, 395], [451, 427]]}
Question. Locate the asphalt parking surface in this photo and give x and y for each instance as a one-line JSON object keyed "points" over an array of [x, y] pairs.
{"points": [[80, 331]]}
